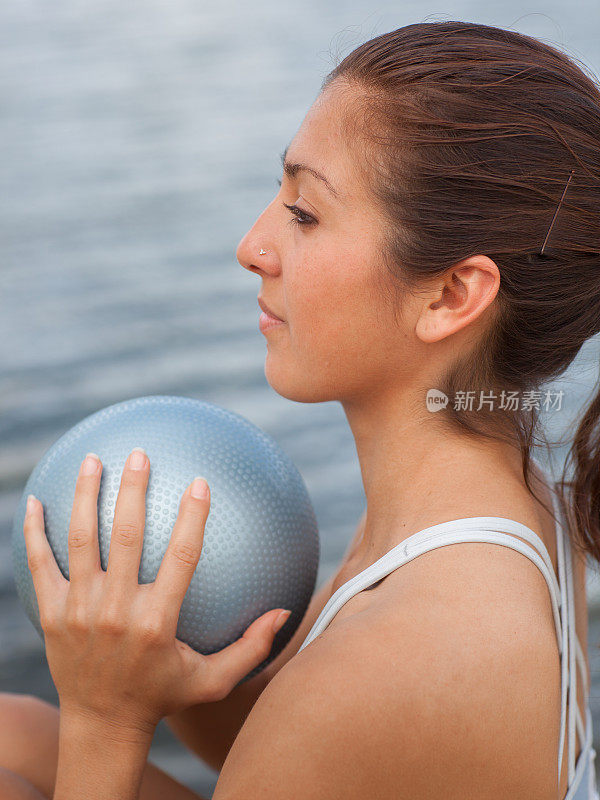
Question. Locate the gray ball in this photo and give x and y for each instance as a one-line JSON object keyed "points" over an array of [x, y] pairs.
{"points": [[261, 543]]}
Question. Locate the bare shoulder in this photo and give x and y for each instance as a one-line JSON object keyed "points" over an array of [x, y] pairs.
{"points": [[441, 686]]}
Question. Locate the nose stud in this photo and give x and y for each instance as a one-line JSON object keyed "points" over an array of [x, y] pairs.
{"points": [[262, 252]]}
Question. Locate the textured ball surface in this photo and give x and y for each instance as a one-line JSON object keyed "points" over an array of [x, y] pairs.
{"points": [[261, 545]]}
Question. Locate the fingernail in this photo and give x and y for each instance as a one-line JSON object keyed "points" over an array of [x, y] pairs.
{"points": [[137, 459], [199, 488], [280, 620], [30, 503], [90, 464]]}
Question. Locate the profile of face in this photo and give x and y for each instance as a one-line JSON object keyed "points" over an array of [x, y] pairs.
{"points": [[342, 338]]}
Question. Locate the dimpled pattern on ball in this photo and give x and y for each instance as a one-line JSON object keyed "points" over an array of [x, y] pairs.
{"points": [[261, 544]]}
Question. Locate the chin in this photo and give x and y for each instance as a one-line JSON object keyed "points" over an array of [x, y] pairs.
{"points": [[302, 387]]}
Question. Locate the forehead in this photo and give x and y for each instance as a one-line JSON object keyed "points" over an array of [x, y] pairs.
{"points": [[322, 144]]}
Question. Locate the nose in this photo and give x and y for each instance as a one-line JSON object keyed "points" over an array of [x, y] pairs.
{"points": [[256, 251]]}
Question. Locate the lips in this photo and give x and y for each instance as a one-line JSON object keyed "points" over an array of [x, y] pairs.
{"points": [[267, 310]]}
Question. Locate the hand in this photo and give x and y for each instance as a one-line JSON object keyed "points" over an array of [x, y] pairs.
{"points": [[110, 642]]}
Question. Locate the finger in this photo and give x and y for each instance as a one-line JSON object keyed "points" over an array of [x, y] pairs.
{"points": [[84, 551], [184, 549], [225, 669], [127, 536], [48, 580]]}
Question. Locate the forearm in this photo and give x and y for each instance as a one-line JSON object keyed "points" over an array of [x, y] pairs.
{"points": [[98, 760]]}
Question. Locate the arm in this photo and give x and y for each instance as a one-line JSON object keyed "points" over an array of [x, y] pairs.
{"points": [[99, 761], [209, 729], [111, 642], [439, 692]]}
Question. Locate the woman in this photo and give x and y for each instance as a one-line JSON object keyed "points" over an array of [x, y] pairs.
{"points": [[436, 229]]}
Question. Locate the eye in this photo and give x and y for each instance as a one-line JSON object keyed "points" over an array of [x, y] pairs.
{"points": [[300, 217]]}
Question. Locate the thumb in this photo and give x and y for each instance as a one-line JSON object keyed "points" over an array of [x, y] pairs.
{"points": [[276, 619], [226, 668]]}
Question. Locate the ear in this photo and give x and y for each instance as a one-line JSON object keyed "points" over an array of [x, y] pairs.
{"points": [[458, 297]]}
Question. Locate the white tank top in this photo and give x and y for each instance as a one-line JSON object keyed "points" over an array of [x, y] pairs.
{"points": [[496, 530]]}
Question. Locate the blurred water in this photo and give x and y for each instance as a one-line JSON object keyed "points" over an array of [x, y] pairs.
{"points": [[139, 143]]}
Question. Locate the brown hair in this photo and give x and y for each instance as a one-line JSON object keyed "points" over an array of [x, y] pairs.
{"points": [[473, 132]]}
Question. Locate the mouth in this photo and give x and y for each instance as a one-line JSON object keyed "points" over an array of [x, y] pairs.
{"points": [[268, 311]]}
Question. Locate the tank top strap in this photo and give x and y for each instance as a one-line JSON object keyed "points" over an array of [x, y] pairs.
{"points": [[570, 657], [564, 650], [503, 525], [571, 654], [470, 529]]}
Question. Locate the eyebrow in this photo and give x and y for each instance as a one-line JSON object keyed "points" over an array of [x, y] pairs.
{"points": [[292, 169]]}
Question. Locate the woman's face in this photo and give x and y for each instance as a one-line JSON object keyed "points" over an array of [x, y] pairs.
{"points": [[323, 274]]}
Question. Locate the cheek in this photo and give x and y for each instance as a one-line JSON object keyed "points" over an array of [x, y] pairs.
{"points": [[334, 313]]}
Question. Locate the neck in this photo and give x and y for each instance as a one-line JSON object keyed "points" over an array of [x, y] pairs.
{"points": [[417, 473]]}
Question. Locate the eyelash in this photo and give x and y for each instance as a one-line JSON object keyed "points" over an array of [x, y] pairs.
{"points": [[305, 219]]}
